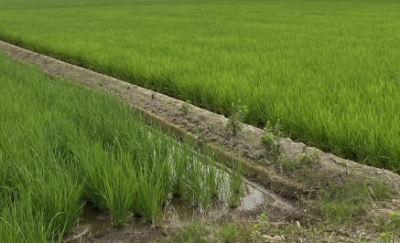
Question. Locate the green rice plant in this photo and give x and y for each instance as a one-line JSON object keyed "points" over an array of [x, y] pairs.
{"points": [[15, 227], [152, 191], [222, 185], [211, 179], [199, 184], [19, 223], [58, 194], [95, 165], [180, 162], [120, 189], [223, 182], [210, 188], [195, 188], [236, 185], [195, 178], [6, 187]]}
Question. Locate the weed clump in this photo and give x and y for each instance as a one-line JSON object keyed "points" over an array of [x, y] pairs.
{"points": [[346, 201], [288, 165], [186, 106], [310, 158], [237, 116], [269, 137], [392, 229]]}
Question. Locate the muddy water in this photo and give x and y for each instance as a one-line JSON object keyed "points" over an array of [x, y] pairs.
{"points": [[90, 222], [176, 213]]}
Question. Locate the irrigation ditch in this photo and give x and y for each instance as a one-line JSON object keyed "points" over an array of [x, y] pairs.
{"points": [[272, 186], [95, 226]]}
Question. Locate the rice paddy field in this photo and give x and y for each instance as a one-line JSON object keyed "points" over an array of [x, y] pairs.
{"points": [[329, 70], [63, 147]]}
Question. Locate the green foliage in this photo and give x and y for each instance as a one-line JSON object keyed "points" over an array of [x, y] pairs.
{"points": [[346, 201], [200, 232], [236, 185], [311, 157], [269, 136], [288, 165], [19, 223], [389, 238], [263, 219], [391, 229], [256, 234], [236, 118], [119, 188], [274, 129], [186, 107], [268, 140], [263, 223]]}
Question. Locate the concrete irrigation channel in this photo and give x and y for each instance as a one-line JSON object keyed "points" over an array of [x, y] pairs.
{"points": [[272, 189]]}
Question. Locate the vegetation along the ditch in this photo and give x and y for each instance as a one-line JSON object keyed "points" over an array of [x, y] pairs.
{"points": [[63, 146], [329, 70]]}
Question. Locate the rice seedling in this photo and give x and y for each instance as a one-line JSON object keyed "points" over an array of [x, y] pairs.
{"points": [[180, 166], [20, 224], [152, 190], [95, 166], [236, 185], [210, 189], [211, 181], [59, 196], [195, 189], [120, 189]]}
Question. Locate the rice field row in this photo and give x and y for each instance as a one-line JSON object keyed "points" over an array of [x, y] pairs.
{"points": [[328, 69], [63, 146]]}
